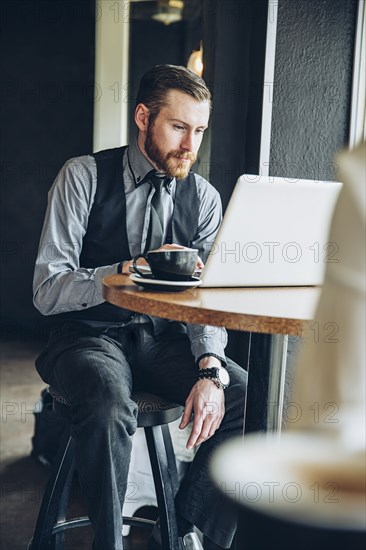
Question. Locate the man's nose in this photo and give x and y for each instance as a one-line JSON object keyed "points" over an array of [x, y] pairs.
{"points": [[187, 143]]}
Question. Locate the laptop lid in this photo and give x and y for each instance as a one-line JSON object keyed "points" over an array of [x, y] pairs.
{"points": [[274, 233]]}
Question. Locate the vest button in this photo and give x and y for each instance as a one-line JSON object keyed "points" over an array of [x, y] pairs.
{"points": [[84, 305]]}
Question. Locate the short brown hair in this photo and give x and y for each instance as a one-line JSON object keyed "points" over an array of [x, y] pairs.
{"points": [[156, 83]]}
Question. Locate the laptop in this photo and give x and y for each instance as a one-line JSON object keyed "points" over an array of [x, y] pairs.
{"points": [[275, 232]]}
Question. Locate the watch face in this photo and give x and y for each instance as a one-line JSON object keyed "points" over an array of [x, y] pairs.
{"points": [[224, 377]]}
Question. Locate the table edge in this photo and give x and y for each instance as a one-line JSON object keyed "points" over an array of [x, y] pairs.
{"points": [[190, 314]]}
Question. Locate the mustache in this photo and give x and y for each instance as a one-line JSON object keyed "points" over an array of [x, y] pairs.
{"points": [[179, 155]]}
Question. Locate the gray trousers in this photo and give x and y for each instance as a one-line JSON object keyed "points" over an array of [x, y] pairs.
{"points": [[95, 370]]}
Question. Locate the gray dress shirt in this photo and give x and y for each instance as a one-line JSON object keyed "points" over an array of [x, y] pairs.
{"points": [[61, 285]]}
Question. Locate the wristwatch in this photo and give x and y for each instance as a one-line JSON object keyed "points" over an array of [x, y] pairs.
{"points": [[219, 375]]}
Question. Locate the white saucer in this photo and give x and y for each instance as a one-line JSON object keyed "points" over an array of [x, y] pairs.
{"points": [[167, 286]]}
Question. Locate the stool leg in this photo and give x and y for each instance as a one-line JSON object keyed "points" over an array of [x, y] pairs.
{"points": [[165, 476], [55, 498], [172, 464], [59, 537]]}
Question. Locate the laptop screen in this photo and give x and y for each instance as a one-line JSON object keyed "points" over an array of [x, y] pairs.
{"points": [[274, 233]]}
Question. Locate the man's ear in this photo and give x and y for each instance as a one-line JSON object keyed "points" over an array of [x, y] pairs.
{"points": [[142, 117]]}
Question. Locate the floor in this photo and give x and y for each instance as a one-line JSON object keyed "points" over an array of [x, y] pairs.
{"points": [[23, 477]]}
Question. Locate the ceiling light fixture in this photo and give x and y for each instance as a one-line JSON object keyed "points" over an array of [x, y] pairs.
{"points": [[169, 11]]}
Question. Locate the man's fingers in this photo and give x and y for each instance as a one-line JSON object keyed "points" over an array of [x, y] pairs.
{"points": [[186, 418], [200, 264], [205, 432], [213, 430], [209, 429], [195, 433]]}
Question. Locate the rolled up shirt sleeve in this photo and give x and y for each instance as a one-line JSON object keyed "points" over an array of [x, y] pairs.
{"points": [[207, 340], [60, 285]]}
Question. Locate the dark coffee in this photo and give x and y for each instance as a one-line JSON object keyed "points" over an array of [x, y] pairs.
{"points": [[171, 265]]}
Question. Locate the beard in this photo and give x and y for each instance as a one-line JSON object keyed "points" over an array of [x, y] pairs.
{"points": [[171, 163]]}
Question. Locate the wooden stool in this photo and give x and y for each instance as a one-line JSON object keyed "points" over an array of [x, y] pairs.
{"points": [[154, 415]]}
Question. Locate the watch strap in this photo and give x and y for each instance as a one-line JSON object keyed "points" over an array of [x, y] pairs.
{"points": [[211, 373]]}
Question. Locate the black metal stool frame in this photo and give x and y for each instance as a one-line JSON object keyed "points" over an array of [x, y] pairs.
{"points": [[154, 415]]}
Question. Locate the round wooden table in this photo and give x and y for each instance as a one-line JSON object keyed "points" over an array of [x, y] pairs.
{"points": [[270, 314]]}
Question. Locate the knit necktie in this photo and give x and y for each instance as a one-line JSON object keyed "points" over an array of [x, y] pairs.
{"points": [[155, 236]]}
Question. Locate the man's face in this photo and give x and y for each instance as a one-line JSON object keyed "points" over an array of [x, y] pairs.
{"points": [[172, 141]]}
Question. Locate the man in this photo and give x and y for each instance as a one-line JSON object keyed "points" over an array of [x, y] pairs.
{"points": [[99, 217]]}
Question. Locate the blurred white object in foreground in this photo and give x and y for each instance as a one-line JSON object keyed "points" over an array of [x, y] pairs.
{"points": [[330, 382]]}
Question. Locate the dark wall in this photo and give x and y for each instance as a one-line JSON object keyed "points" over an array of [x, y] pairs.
{"points": [[47, 101], [235, 41], [312, 86]]}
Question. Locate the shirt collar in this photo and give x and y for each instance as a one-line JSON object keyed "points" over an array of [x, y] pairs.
{"points": [[141, 168]]}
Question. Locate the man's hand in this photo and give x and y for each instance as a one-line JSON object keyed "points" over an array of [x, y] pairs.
{"points": [[207, 402]]}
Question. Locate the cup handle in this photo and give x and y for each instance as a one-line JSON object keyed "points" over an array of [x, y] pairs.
{"points": [[135, 263]]}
